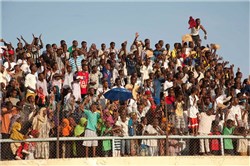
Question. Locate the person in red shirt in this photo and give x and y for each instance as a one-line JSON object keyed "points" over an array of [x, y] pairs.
{"points": [[170, 100], [8, 50], [83, 76], [215, 143]]}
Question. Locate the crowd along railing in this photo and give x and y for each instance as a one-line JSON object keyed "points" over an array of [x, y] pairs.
{"points": [[113, 138]]}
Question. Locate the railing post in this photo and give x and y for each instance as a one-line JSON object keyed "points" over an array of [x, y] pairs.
{"points": [[113, 147], [58, 132], [222, 146]]}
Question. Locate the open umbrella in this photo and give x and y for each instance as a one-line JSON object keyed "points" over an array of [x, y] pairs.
{"points": [[120, 94]]}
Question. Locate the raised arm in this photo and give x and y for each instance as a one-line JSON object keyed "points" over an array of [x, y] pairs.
{"points": [[26, 43], [33, 41], [136, 36], [40, 39]]}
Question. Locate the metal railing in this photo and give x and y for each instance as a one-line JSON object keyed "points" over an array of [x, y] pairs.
{"points": [[113, 138]]}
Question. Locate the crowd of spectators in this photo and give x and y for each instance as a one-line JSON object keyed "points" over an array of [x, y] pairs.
{"points": [[188, 86]]}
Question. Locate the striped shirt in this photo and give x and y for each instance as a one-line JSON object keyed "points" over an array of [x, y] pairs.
{"points": [[76, 64]]}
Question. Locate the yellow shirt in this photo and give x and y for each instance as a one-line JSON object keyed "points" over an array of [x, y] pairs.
{"points": [[174, 53], [179, 109]]}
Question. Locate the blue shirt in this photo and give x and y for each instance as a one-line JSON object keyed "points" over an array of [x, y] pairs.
{"points": [[107, 75], [157, 86], [74, 64], [92, 119]]}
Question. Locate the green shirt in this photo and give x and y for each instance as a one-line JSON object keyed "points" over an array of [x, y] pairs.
{"points": [[106, 144], [92, 119], [228, 143]]}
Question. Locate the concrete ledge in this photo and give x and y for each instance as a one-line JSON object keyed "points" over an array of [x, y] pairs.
{"points": [[136, 161]]}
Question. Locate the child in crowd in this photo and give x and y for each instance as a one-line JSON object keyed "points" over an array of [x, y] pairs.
{"points": [[228, 142], [107, 117], [117, 147], [174, 145], [78, 132], [170, 103], [18, 149], [153, 129], [66, 131], [214, 142], [193, 111], [242, 144], [106, 144], [76, 89], [40, 97], [179, 116], [32, 145], [132, 126], [122, 122]]}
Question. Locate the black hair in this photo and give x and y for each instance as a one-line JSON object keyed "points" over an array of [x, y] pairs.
{"points": [[83, 42], [48, 46], [32, 66]]}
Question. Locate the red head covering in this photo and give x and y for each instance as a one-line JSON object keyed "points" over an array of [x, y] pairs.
{"points": [[191, 22], [34, 133]]}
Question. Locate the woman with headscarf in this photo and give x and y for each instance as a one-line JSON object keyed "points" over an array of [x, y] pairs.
{"points": [[42, 124], [16, 147], [78, 132], [66, 131]]}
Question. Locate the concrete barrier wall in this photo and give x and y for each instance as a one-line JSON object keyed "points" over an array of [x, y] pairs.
{"points": [[137, 161]]}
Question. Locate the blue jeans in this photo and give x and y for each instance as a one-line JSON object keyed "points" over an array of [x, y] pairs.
{"points": [[125, 146]]}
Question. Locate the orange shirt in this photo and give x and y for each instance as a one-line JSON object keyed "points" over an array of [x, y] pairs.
{"points": [[5, 121]]}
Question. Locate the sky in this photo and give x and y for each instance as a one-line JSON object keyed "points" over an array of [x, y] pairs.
{"points": [[96, 21]]}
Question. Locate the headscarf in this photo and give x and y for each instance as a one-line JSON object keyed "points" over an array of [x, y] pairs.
{"points": [[66, 128], [15, 134], [80, 128], [108, 118], [39, 119]]}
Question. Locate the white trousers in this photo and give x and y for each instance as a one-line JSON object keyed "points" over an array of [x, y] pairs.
{"points": [[204, 144]]}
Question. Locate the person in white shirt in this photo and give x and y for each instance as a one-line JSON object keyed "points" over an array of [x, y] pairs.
{"points": [[235, 112], [146, 69], [198, 74], [153, 129], [142, 110], [68, 77], [115, 74], [4, 76], [112, 49], [205, 124], [193, 111], [132, 105], [103, 51], [118, 83], [122, 122], [168, 84], [220, 99], [9, 64], [42, 83], [30, 81]]}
